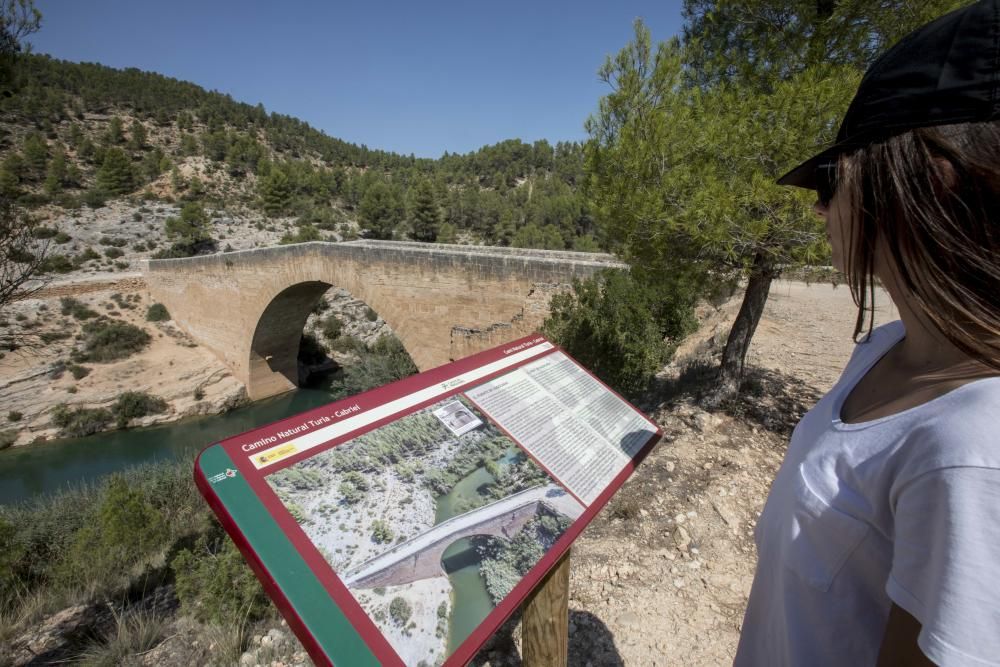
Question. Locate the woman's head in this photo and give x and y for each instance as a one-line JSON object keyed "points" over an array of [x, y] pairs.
{"points": [[917, 160], [922, 210]]}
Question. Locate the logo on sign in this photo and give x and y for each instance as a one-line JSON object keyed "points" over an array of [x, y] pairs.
{"points": [[215, 479]]}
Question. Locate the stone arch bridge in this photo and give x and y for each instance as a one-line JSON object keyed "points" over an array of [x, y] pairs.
{"points": [[420, 557], [442, 301]]}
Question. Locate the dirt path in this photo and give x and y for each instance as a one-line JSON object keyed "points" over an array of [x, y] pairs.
{"points": [[661, 577]]}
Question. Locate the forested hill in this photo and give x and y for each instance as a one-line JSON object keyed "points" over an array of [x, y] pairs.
{"points": [[82, 134]]}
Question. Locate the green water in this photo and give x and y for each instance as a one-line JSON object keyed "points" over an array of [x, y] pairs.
{"points": [[469, 488], [26, 472], [471, 601]]}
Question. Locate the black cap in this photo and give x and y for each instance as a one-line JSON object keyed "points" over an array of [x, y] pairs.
{"points": [[942, 73]]}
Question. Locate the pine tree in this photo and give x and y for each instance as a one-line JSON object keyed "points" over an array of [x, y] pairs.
{"points": [[75, 135], [380, 210], [153, 164], [114, 134], [503, 233], [684, 151], [447, 233], [275, 192], [115, 177], [137, 136], [191, 227], [55, 177], [189, 145], [426, 216], [36, 155], [177, 181]]}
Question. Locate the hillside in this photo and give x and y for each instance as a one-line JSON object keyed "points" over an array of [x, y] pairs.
{"points": [[82, 135]]}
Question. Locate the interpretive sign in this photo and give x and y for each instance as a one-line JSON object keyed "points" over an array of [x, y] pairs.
{"points": [[403, 525]]}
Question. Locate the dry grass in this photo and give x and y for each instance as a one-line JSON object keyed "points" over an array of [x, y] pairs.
{"points": [[133, 634]]}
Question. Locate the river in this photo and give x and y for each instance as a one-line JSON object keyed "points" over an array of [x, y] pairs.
{"points": [[471, 601], [34, 470]]}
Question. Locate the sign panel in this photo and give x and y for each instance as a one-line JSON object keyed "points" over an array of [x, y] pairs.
{"points": [[403, 525]]}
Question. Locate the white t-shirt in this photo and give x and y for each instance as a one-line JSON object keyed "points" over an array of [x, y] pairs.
{"points": [[904, 509]]}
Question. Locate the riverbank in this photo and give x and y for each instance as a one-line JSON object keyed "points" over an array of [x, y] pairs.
{"points": [[41, 373]]}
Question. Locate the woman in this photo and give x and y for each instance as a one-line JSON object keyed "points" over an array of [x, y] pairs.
{"points": [[880, 539]]}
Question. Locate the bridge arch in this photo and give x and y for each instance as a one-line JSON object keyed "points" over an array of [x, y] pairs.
{"points": [[272, 361], [454, 561], [442, 301]]}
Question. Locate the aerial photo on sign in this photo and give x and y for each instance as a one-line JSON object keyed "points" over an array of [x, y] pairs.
{"points": [[430, 521]]}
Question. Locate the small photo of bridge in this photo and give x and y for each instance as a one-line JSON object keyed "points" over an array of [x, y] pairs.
{"points": [[429, 520]]}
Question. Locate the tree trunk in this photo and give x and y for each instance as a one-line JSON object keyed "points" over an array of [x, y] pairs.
{"points": [[733, 357]]}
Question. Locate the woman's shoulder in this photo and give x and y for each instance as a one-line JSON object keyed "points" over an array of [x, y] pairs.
{"points": [[959, 429], [884, 334], [877, 342]]}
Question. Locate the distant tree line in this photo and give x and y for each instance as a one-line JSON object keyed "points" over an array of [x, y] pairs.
{"points": [[511, 193]]}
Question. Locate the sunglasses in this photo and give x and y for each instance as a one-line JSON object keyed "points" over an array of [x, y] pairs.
{"points": [[826, 182]]}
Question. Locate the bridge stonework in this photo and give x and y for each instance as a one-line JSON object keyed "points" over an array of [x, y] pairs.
{"points": [[427, 563], [442, 301]]}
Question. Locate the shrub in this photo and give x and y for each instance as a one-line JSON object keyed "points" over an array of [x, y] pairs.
{"points": [[400, 610], [62, 237], [214, 583], [85, 256], [7, 438], [331, 327], [113, 241], [386, 361], [134, 404], [348, 345], [305, 234], [78, 372], [381, 532], [56, 263], [615, 325], [183, 249], [76, 308], [125, 530], [370, 314], [95, 198], [14, 416], [199, 394], [20, 255], [44, 232], [110, 340], [52, 336], [113, 253], [79, 422], [157, 313]]}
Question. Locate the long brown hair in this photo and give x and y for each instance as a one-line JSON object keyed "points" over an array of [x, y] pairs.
{"points": [[943, 233]]}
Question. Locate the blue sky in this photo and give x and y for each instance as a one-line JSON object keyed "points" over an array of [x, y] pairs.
{"points": [[410, 77]]}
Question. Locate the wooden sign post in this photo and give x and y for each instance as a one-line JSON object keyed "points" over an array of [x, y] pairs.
{"points": [[545, 621]]}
